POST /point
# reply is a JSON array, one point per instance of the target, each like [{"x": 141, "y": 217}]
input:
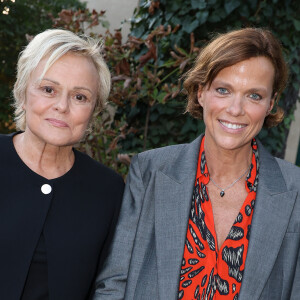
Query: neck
[
  {"x": 226, "y": 165},
  {"x": 44, "y": 159}
]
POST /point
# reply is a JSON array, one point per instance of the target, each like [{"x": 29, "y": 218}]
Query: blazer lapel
[
  {"x": 272, "y": 212},
  {"x": 173, "y": 194}
]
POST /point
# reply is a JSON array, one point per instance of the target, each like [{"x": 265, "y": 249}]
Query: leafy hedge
[
  {"x": 146, "y": 107},
  {"x": 199, "y": 20}
]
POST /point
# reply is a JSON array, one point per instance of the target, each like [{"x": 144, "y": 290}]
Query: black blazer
[{"x": 77, "y": 218}]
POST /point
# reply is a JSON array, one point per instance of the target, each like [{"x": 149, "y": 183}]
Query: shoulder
[
  {"x": 5, "y": 138},
  {"x": 277, "y": 171},
  {"x": 174, "y": 161},
  {"x": 159, "y": 156},
  {"x": 290, "y": 173},
  {"x": 94, "y": 169},
  {"x": 159, "y": 159},
  {"x": 6, "y": 147}
]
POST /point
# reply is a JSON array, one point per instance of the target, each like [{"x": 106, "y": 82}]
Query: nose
[
  {"x": 236, "y": 106},
  {"x": 62, "y": 103}
]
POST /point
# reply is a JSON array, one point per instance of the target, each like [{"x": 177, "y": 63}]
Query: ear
[
  {"x": 271, "y": 104},
  {"x": 24, "y": 105},
  {"x": 200, "y": 95}
]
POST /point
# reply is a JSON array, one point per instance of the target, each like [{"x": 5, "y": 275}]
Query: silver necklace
[{"x": 222, "y": 193}]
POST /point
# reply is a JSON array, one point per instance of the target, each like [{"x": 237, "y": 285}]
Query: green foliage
[
  {"x": 146, "y": 108},
  {"x": 202, "y": 19},
  {"x": 24, "y": 18}
]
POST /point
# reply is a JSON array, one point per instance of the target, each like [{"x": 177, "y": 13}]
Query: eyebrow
[
  {"x": 255, "y": 90},
  {"x": 82, "y": 88},
  {"x": 47, "y": 79},
  {"x": 252, "y": 90},
  {"x": 76, "y": 87}
]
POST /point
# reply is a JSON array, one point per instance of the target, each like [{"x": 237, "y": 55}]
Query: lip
[
  {"x": 57, "y": 123},
  {"x": 232, "y": 126}
]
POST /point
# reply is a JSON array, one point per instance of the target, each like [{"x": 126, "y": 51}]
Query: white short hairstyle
[{"x": 55, "y": 43}]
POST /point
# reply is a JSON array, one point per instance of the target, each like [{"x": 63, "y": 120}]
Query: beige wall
[
  {"x": 116, "y": 12},
  {"x": 293, "y": 138}
]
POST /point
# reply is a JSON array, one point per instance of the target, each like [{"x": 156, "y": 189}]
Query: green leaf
[
  {"x": 105, "y": 24},
  {"x": 155, "y": 93},
  {"x": 295, "y": 68},
  {"x": 135, "y": 20},
  {"x": 263, "y": 4},
  {"x": 211, "y": 2},
  {"x": 138, "y": 31},
  {"x": 186, "y": 127},
  {"x": 175, "y": 20},
  {"x": 154, "y": 116},
  {"x": 168, "y": 15},
  {"x": 214, "y": 18},
  {"x": 198, "y": 4},
  {"x": 287, "y": 122},
  {"x": 244, "y": 11},
  {"x": 182, "y": 50},
  {"x": 174, "y": 6},
  {"x": 155, "y": 139},
  {"x": 263, "y": 134},
  {"x": 151, "y": 22},
  {"x": 268, "y": 11},
  {"x": 202, "y": 16},
  {"x": 145, "y": 4},
  {"x": 296, "y": 24},
  {"x": 190, "y": 26},
  {"x": 296, "y": 85},
  {"x": 230, "y": 6},
  {"x": 161, "y": 96}
]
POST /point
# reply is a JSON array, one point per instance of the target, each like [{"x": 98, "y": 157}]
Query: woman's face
[
  {"x": 59, "y": 107},
  {"x": 237, "y": 102}
]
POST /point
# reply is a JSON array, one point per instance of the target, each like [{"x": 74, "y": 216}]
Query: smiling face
[
  {"x": 58, "y": 107},
  {"x": 237, "y": 102}
]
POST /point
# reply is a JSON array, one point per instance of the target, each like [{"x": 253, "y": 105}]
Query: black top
[
  {"x": 36, "y": 286},
  {"x": 77, "y": 216}
]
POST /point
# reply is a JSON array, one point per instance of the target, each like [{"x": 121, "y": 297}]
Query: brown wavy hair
[{"x": 228, "y": 49}]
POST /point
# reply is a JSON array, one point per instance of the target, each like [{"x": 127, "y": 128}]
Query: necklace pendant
[{"x": 222, "y": 193}]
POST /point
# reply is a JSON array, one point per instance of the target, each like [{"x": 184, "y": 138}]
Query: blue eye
[
  {"x": 255, "y": 96},
  {"x": 222, "y": 91}
]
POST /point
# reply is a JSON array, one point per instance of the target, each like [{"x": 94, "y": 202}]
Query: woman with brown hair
[{"x": 218, "y": 218}]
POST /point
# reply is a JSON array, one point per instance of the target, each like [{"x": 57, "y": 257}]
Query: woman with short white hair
[{"x": 58, "y": 207}]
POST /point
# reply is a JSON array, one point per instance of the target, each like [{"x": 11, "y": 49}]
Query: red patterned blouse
[{"x": 206, "y": 272}]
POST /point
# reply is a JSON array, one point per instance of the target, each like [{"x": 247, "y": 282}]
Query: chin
[
  {"x": 230, "y": 143},
  {"x": 61, "y": 141}
]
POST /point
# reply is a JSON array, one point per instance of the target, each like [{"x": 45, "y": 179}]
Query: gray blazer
[{"x": 148, "y": 245}]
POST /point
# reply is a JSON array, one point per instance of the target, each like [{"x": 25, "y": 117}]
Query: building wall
[
  {"x": 293, "y": 140},
  {"x": 117, "y": 11}
]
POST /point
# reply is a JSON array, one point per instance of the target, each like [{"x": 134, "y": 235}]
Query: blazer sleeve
[{"x": 111, "y": 281}]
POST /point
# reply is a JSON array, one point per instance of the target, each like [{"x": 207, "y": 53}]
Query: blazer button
[{"x": 46, "y": 189}]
